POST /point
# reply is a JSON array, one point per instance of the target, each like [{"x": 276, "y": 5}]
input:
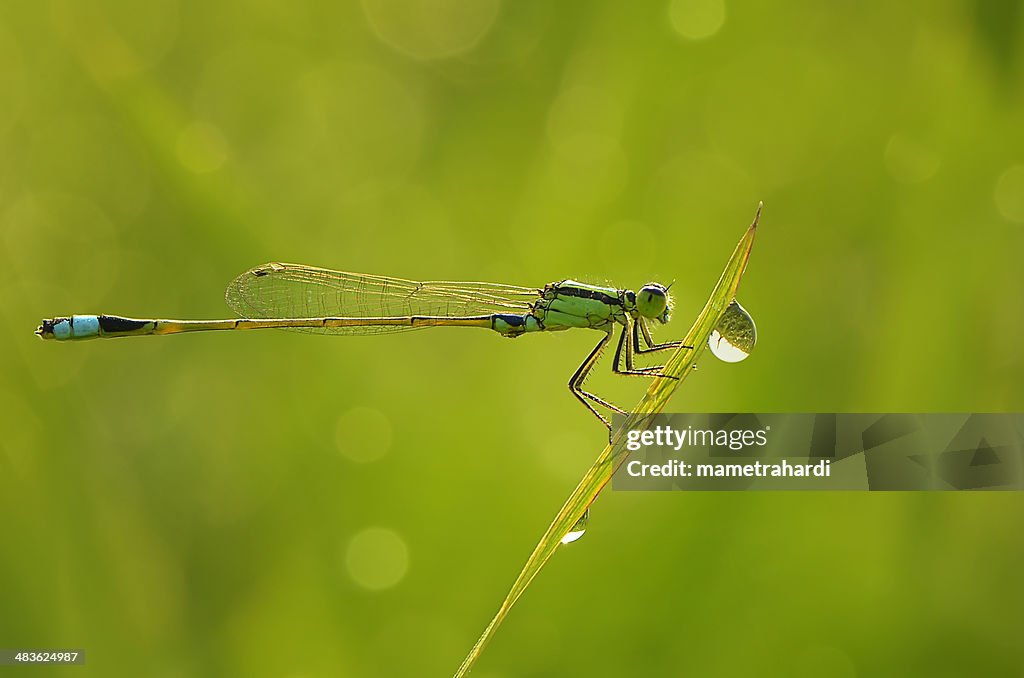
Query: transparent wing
[{"x": 278, "y": 290}]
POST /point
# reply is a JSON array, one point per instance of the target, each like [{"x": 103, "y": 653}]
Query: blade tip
[{"x": 757, "y": 215}]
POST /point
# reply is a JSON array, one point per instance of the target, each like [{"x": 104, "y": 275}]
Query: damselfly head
[{"x": 653, "y": 302}]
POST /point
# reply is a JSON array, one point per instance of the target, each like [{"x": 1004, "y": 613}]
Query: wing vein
[{"x": 278, "y": 290}]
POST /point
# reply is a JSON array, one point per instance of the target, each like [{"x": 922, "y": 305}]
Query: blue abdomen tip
[
  {"x": 61, "y": 328},
  {"x": 83, "y": 326}
]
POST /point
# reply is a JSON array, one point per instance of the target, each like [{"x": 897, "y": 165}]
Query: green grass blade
[{"x": 654, "y": 400}]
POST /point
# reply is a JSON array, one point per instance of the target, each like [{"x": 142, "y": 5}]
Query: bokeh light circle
[
  {"x": 696, "y": 19},
  {"x": 1009, "y": 194},
  {"x": 377, "y": 558},
  {"x": 201, "y": 147},
  {"x": 431, "y": 29},
  {"x": 910, "y": 161},
  {"x": 363, "y": 434}
]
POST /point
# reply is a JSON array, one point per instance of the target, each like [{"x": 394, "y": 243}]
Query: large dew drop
[
  {"x": 735, "y": 335},
  {"x": 578, "y": 529}
]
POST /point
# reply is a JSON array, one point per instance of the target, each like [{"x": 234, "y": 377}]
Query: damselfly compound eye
[
  {"x": 652, "y": 301},
  {"x": 734, "y": 337}
]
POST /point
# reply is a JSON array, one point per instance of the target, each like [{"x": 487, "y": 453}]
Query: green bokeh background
[{"x": 199, "y": 505}]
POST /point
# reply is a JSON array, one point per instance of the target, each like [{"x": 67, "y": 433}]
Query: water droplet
[
  {"x": 735, "y": 335},
  {"x": 578, "y": 529}
]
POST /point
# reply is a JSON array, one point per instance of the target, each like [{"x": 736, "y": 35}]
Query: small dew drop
[
  {"x": 578, "y": 529},
  {"x": 734, "y": 337}
]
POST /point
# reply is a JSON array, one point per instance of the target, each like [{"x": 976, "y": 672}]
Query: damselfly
[{"x": 309, "y": 299}]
